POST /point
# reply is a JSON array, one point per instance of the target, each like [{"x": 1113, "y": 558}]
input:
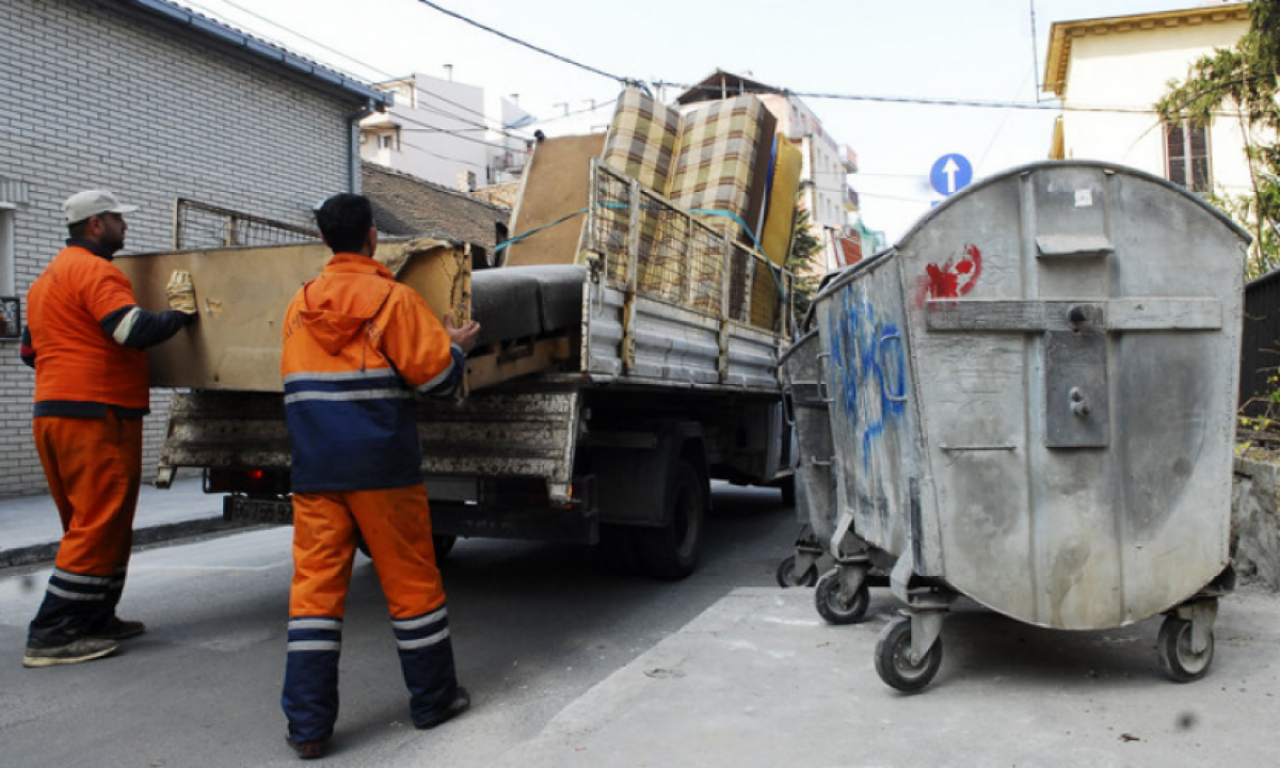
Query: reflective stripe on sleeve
[{"x": 122, "y": 331}]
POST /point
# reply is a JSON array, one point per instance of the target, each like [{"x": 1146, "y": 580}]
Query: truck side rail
[{"x": 653, "y": 248}]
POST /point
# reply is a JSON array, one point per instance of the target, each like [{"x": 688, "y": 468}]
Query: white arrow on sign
[{"x": 950, "y": 169}]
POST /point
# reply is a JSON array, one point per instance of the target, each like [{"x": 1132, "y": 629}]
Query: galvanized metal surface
[
  {"x": 676, "y": 347},
  {"x": 1034, "y": 393},
  {"x": 808, "y": 402}
]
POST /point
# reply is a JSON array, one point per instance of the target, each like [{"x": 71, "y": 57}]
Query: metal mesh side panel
[{"x": 199, "y": 225}]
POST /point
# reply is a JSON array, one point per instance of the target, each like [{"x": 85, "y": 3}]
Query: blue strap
[
  {"x": 523, "y": 235},
  {"x": 730, "y": 215}
]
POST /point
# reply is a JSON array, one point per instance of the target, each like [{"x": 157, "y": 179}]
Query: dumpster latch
[{"x": 1076, "y": 398}]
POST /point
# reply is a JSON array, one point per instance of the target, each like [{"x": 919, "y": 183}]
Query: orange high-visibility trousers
[
  {"x": 94, "y": 468},
  {"x": 396, "y": 526}
]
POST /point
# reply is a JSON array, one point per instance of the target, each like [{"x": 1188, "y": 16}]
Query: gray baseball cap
[{"x": 93, "y": 202}]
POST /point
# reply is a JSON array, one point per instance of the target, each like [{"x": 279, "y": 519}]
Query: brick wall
[{"x": 96, "y": 98}]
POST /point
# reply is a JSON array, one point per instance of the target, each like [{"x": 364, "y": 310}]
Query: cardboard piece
[
  {"x": 243, "y": 292},
  {"x": 556, "y": 184}
]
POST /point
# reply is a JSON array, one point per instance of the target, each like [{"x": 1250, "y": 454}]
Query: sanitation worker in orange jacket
[
  {"x": 357, "y": 346},
  {"x": 85, "y": 335}
]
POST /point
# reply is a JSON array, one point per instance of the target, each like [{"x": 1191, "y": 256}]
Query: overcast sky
[{"x": 913, "y": 49}]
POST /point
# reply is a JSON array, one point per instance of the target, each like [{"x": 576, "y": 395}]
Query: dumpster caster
[
  {"x": 894, "y": 657},
  {"x": 1185, "y": 644},
  {"x": 840, "y": 603},
  {"x": 789, "y": 576}
]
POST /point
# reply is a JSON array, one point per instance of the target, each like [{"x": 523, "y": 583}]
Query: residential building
[
  {"x": 448, "y": 133},
  {"x": 825, "y": 192},
  {"x": 160, "y": 105},
  {"x": 1110, "y": 72},
  {"x": 405, "y": 205}
]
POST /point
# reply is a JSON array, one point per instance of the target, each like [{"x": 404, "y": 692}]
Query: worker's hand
[
  {"x": 182, "y": 293},
  {"x": 465, "y": 335}
]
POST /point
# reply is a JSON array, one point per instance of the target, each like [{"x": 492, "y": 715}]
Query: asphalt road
[{"x": 534, "y": 627}]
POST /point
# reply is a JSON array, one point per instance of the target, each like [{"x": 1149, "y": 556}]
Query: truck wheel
[{"x": 671, "y": 552}]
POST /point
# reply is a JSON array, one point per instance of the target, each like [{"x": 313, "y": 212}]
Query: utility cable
[{"x": 525, "y": 44}]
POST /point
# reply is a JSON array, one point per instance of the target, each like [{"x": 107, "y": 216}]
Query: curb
[{"x": 36, "y": 554}]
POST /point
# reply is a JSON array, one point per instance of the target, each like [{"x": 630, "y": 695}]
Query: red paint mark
[{"x": 951, "y": 280}]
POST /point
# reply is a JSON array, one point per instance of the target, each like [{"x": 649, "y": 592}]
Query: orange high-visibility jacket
[
  {"x": 357, "y": 345},
  {"x": 78, "y": 361}
]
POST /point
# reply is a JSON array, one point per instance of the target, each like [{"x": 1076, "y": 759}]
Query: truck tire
[{"x": 671, "y": 552}]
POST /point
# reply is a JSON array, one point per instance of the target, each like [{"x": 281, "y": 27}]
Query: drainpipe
[{"x": 353, "y": 142}]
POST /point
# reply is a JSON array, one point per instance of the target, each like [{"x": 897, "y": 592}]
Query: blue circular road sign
[{"x": 950, "y": 174}]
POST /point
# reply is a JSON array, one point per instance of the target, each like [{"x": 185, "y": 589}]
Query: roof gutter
[
  {"x": 259, "y": 49},
  {"x": 353, "y": 141}
]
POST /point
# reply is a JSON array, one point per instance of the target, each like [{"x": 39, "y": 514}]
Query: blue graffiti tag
[{"x": 861, "y": 347}]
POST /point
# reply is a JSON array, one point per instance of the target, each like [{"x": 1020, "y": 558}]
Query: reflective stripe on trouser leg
[
  {"x": 426, "y": 658},
  {"x": 310, "y": 697},
  {"x": 73, "y": 603},
  {"x": 323, "y": 548},
  {"x": 396, "y": 523},
  {"x": 93, "y": 467}
]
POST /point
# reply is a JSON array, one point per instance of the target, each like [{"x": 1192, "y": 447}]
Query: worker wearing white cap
[{"x": 85, "y": 337}]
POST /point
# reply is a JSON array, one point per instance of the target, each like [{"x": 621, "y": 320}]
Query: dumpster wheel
[
  {"x": 1178, "y": 658},
  {"x": 787, "y": 576},
  {"x": 893, "y": 658},
  {"x": 835, "y": 606}
]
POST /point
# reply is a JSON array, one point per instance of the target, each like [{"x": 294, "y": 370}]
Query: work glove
[{"x": 182, "y": 293}]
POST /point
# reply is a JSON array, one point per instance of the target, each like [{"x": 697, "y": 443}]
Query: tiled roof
[{"x": 407, "y": 205}]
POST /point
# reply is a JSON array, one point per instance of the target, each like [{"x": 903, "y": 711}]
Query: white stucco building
[
  {"x": 448, "y": 133},
  {"x": 1110, "y": 71}
]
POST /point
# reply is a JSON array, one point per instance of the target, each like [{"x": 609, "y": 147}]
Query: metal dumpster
[{"x": 1031, "y": 402}]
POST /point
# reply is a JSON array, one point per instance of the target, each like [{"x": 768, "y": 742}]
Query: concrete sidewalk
[
  {"x": 30, "y": 530},
  {"x": 760, "y": 680}
]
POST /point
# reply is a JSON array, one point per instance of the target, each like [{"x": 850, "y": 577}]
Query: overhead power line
[
  {"x": 381, "y": 73},
  {"x": 524, "y": 43}
]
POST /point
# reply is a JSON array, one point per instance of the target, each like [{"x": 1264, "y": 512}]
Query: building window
[
  {"x": 1187, "y": 156},
  {"x": 386, "y": 141},
  {"x": 8, "y": 267},
  {"x": 10, "y": 314}
]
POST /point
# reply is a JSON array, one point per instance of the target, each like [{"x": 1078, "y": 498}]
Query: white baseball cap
[{"x": 93, "y": 202}]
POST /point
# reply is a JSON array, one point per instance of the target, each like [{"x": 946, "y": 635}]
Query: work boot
[
  {"x": 307, "y": 750},
  {"x": 461, "y": 702},
  {"x": 73, "y": 652},
  {"x": 117, "y": 629}
]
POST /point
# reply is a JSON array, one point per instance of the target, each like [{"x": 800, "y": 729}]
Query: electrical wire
[
  {"x": 525, "y": 44},
  {"x": 386, "y": 76}
]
